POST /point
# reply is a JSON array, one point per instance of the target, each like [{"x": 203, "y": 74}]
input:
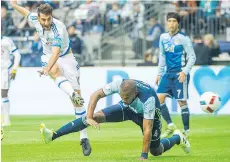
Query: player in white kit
[
  {"x": 57, "y": 59},
  {"x": 8, "y": 72}
]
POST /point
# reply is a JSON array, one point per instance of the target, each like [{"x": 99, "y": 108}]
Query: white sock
[
  {"x": 65, "y": 85},
  {"x": 80, "y": 112},
  {"x": 6, "y": 110}
]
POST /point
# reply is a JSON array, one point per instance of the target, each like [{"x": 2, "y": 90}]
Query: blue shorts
[
  {"x": 170, "y": 85},
  {"x": 117, "y": 113}
]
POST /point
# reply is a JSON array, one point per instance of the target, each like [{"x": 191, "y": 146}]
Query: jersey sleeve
[
  {"x": 188, "y": 48},
  {"x": 149, "y": 108},
  {"x": 59, "y": 33},
  {"x": 111, "y": 88},
  {"x": 32, "y": 18},
  {"x": 162, "y": 62}
]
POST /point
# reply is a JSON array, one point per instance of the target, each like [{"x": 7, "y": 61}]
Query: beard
[{"x": 46, "y": 27}]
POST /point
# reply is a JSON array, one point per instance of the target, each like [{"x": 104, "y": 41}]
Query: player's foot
[
  {"x": 186, "y": 133},
  {"x": 77, "y": 99},
  {"x": 185, "y": 145},
  {"x": 169, "y": 131},
  {"x": 46, "y": 133},
  {"x": 2, "y": 133},
  {"x": 86, "y": 148}
]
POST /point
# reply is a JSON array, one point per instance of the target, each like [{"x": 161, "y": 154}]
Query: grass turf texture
[{"x": 210, "y": 141}]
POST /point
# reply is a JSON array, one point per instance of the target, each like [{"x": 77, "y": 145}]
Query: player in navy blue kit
[
  {"x": 139, "y": 104},
  {"x": 176, "y": 60}
]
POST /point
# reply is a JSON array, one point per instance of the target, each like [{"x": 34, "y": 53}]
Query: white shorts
[
  {"x": 5, "y": 75},
  {"x": 69, "y": 68}
]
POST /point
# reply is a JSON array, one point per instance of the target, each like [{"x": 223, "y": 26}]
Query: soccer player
[
  {"x": 8, "y": 72},
  {"x": 57, "y": 59},
  {"x": 175, "y": 62},
  {"x": 139, "y": 104}
]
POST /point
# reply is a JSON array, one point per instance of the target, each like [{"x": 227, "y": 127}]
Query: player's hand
[
  {"x": 181, "y": 76},
  {"x": 93, "y": 123},
  {"x": 43, "y": 72},
  {"x": 158, "y": 80},
  {"x": 13, "y": 74},
  {"x": 142, "y": 158}
]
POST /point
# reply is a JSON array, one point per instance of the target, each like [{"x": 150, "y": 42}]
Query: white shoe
[
  {"x": 169, "y": 131},
  {"x": 186, "y": 133},
  {"x": 185, "y": 145},
  {"x": 46, "y": 133}
]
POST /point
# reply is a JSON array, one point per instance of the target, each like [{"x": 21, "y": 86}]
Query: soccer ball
[{"x": 210, "y": 102}]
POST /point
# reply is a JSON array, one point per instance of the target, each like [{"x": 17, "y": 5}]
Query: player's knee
[
  {"x": 157, "y": 151},
  {"x": 182, "y": 103},
  {"x": 55, "y": 72},
  {"x": 4, "y": 93},
  {"x": 99, "y": 117},
  {"x": 161, "y": 98}
]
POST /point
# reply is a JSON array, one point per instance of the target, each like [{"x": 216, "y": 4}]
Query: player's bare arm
[
  {"x": 147, "y": 126},
  {"x": 53, "y": 59},
  {"x": 20, "y": 9},
  {"x": 95, "y": 97}
]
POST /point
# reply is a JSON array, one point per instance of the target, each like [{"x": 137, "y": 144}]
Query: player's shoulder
[
  {"x": 58, "y": 24},
  {"x": 33, "y": 16},
  {"x": 182, "y": 35}
]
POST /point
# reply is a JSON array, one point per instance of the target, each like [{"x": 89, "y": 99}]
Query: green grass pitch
[{"x": 210, "y": 141}]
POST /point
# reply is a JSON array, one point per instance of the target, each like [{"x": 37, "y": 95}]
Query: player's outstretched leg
[
  {"x": 171, "y": 126},
  {"x": 86, "y": 148},
  {"x": 167, "y": 143},
  {"x": 71, "y": 127}
]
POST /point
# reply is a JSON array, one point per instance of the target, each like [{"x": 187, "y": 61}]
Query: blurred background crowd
[{"x": 124, "y": 32}]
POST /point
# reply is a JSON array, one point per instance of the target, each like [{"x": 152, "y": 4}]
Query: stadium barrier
[{"x": 34, "y": 95}]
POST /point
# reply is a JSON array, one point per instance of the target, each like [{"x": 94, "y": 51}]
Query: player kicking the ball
[{"x": 57, "y": 59}]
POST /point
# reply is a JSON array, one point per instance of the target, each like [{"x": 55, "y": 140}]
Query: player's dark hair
[
  {"x": 45, "y": 9},
  {"x": 173, "y": 15}
]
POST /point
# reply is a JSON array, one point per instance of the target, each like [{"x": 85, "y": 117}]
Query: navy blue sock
[
  {"x": 74, "y": 126},
  {"x": 168, "y": 143},
  {"x": 185, "y": 116},
  {"x": 165, "y": 113}
]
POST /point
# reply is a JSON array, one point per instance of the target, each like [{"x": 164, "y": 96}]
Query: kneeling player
[{"x": 139, "y": 103}]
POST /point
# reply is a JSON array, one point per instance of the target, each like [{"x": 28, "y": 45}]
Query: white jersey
[
  {"x": 56, "y": 36},
  {"x": 7, "y": 48}
]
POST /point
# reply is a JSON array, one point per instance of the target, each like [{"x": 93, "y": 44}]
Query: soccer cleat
[
  {"x": 2, "y": 133},
  {"x": 46, "y": 133},
  {"x": 185, "y": 145},
  {"x": 86, "y": 148},
  {"x": 186, "y": 133},
  {"x": 169, "y": 131},
  {"x": 77, "y": 99}
]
